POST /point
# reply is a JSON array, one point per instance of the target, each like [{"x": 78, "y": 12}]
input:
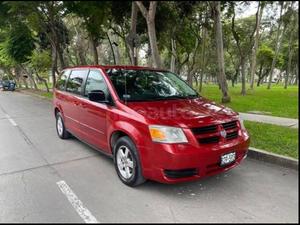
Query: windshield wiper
[
  {"x": 181, "y": 96},
  {"x": 193, "y": 96}
]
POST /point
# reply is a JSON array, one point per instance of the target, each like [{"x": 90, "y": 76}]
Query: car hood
[{"x": 185, "y": 113}]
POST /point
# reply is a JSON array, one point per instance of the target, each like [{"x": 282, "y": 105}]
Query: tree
[
  {"x": 291, "y": 17},
  {"x": 45, "y": 18},
  {"x": 253, "y": 60},
  {"x": 243, "y": 36},
  {"x": 220, "y": 52},
  {"x": 132, "y": 36},
  {"x": 39, "y": 62},
  {"x": 149, "y": 16},
  {"x": 95, "y": 17},
  {"x": 279, "y": 36},
  {"x": 18, "y": 46},
  {"x": 265, "y": 56}
]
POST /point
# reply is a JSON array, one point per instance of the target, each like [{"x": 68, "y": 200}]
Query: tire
[
  {"x": 60, "y": 127},
  {"x": 131, "y": 174}
]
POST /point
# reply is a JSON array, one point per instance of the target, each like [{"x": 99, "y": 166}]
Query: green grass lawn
[
  {"x": 42, "y": 86},
  {"x": 47, "y": 95},
  {"x": 277, "y": 101},
  {"x": 273, "y": 138}
]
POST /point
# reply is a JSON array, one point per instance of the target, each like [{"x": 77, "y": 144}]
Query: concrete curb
[{"x": 269, "y": 157}]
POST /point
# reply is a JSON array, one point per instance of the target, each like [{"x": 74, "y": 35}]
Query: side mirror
[{"x": 97, "y": 96}]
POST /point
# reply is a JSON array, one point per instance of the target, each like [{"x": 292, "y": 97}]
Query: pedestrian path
[{"x": 281, "y": 121}]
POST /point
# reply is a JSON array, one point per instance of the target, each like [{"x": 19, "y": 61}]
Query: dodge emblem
[{"x": 223, "y": 133}]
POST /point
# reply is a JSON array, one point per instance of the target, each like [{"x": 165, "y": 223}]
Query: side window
[
  {"x": 76, "y": 80},
  {"x": 61, "y": 82},
  {"x": 95, "y": 81}
]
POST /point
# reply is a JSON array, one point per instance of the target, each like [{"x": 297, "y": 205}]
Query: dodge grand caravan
[{"x": 149, "y": 121}]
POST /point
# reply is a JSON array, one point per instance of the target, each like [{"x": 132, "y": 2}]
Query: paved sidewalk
[{"x": 281, "y": 121}]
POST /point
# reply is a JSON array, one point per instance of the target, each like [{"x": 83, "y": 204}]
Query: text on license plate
[{"x": 228, "y": 158}]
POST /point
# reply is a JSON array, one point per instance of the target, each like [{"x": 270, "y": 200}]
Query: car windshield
[{"x": 148, "y": 85}]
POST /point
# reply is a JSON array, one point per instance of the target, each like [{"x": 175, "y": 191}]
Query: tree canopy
[{"x": 39, "y": 38}]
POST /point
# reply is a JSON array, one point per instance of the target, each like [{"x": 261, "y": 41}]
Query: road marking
[
  {"x": 83, "y": 212},
  {"x": 11, "y": 120}
]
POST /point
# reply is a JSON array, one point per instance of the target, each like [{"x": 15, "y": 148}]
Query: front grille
[
  {"x": 230, "y": 125},
  {"x": 209, "y": 140},
  {"x": 180, "y": 173},
  {"x": 231, "y": 135},
  {"x": 204, "y": 130},
  {"x": 210, "y": 134}
]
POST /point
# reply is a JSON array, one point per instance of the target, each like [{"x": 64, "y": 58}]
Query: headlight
[
  {"x": 165, "y": 134},
  {"x": 242, "y": 123}
]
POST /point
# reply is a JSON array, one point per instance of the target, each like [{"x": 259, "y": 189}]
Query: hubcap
[
  {"x": 125, "y": 162},
  {"x": 59, "y": 126}
]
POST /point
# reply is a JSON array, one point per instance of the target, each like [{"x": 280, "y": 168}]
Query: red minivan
[{"x": 149, "y": 121}]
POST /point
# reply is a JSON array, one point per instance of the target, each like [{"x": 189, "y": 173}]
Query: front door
[{"x": 93, "y": 114}]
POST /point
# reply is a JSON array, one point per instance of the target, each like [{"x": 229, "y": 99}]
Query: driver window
[{"x": 95, "y": 81}]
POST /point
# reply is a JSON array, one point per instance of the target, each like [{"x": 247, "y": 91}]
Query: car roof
[{"x": 106, "y": 67}]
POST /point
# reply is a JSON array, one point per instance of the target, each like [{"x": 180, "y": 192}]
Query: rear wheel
[
  {"x": 60, "y": 127},
  {"x": 127, "y": 163}
]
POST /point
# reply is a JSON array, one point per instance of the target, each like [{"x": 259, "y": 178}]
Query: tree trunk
[
  {"x": 289, "y": 62},
  {"x": 118, "y": 60},
  {"x": 19, "y": 70},
  {"x": 204, "y": 31},
  {"x": 260, "y": 76},
  {"x": 189, "y": 79},
  {"x": 61, "y": 57},
  {"x": 53, "y": 64},
  {"x": 220, "y": 52},
  {"x": 297, "y": 75},
  {"x": 81, "y": 57},
  {"x": 243, "y": 71},
  {"x": 79, "y": 46},
  {"x": 196, "y": 80},
  {"x": 279, "y": 36},
  {"x": 191, "y": 69},
  {"x": 235, "y": 77},
  {"x": 116, "y": 49},
  {"x": 253, "y": 61},
  {"x": 279, "y": 78},
  {"x": 173, "y": 58},
  {"x": 131, "y": 38},
  {"x": 153, "y": 43},
  {"x": 150, "y": 19},
  {"x": 33, "y": 81},
  {"x": 31, "y": 77},
  {"x": 111, "y": 48},
  {"x": 25, "y": 82},
  {"x": 94, "y": 49},
  {"x": 42, "y": 79},
  {"x": 291, "y": 39}
]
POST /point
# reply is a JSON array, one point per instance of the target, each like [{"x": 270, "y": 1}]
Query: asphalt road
[{"x": 33, "y": 159}]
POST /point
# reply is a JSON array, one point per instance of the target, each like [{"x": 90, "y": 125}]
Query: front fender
[{"x": 137, "y": 132}]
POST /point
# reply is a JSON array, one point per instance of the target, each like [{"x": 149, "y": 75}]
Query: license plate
[{"x": 227, "y": 158}]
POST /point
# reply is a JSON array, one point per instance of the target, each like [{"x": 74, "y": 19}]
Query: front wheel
[
  {"x": 127, "y": 163},
  {"x": 60, "y": 127}
]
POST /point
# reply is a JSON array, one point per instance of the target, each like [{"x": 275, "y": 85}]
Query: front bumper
[{"x": 173, "y": 163}]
